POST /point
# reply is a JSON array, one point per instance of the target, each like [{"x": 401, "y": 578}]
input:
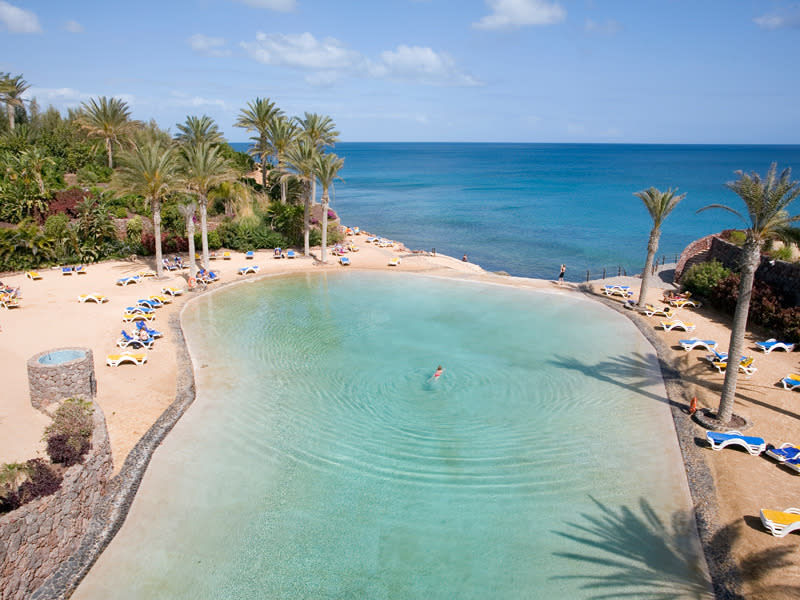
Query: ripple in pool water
[{"x": 321, "y": 460}]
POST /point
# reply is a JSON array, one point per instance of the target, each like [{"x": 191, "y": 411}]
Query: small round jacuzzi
[
  {"x": 61, "y": 373},
  {"x": 58, "y": 357}
]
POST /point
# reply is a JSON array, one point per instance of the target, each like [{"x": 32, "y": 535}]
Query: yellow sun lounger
[
  {"x": 95, "y": 297},
  {"x": 678, "y": 324},
  {"x": 171, "y": 291},
  {"x": 129, "y": 317},
  {"x": 746, "y": 366},
  {"x": 162, "y": 299},
  {"x": 34, "y": 275},
  {"x": 781, "y": 522},
  {"x": 226, "y": 256},
  {"x": 394, "y": 262},
  {"x": 114, "y": 360}
]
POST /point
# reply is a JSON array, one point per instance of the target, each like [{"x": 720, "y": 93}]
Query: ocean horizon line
[{"x": 569, "y": 144}]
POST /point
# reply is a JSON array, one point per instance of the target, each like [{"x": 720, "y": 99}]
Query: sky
[{"x": 572, "y": 71}]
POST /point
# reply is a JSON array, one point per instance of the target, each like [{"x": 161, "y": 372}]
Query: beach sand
[{"x": 134, "y": 397}]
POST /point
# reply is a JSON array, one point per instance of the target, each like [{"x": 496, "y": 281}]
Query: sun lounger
[
  {"x": 212, "y": 256},
  {"x": 249, "y": 254},
  {"x": 149, "y": 273},
  {"x": 290, "y": 254},
  {"x": 393, "y": 262},
  {"x": 617, "y": 290},
  {"x": 33, "y": 275},
  {"x": 114, "y": 360},
  {"x": 95, "y": 297},
  {"x": 277, "y": 253},
  {"x": 677, "y": 324},
  {"x": 67, "y": 270},
  {"x": 249, "y": 269},
  {"x": 145, "y": 310},
  {"x": 652, "y": 311},
  {"x": 129, "y": 341},
  {"x": 791, "y": 381},
  {"x": 126, "y": 280},
  {"x": 781, "y": 522},
  {"x": 171, "y": 291},
  {"x": 773, "y": 344},
  {"x": 151, "y": 332},
  {"x": 784, "y": 452},
  {"x": 81, "y": 270},
  {"x": 745, "y": 365},
  {"x": 149, "y": 303},
  {"x": 718, "y": 440},
  {"x": 697, "y": 343},
  {"x": 137, "y": 316},
  {"x": 162, "y": 299},
  {"x": 344, "y": 261},
  {"x": 226, "y": 256},
  {"x": 685, "y": 303},
  {"x": 9, "y": 301}
]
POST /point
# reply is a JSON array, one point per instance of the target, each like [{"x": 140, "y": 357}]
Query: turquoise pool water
[
  {"x": 320, "y": 459},
  {"x": 61, "y": 356}
]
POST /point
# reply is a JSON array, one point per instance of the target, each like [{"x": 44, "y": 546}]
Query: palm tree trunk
[
  {"x": 204, "y": 228},
  {"x": 110, "y": 153},
  {"x": 751, "y": 257},
  {"x": 190, "y": 234},
  {"x": 652, "y": 247},
  {"x": 157, "y": 234},
  {"x": 10, "y": 108},
  {"x": 281, "y": 169},
  {"x": 324, "y": 223},
  {"x": 306, "y": 211},
  {"x": 263, "y": 167}
]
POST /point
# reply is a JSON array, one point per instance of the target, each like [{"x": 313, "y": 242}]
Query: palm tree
[
  {"x": 301, "y": 157},
  {"x": 659, "y": 204},
  {"x": 234, "y": 194},
  {"x": 35, "y": 163},
  {"x": 257, "y": 117},
  {"x": 11, "y": 90},
  {"x": 149, "y": 170},
  {"x": 107, "y": 119},
  {"x": 282, "y": 135},
  {"x": 203, "y": 167},
  {"x": 198, "y": 130},
  {"x": 319, "y": 131},
  {"x": 766, "y": 202},
  {"x": 187, "y": 211},
  {"x": 327, "y": 168}
]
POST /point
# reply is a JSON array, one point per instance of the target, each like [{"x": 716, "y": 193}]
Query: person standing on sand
[
  {"x": 464, "y": 258},
  {"x": 561, "y": 274}
]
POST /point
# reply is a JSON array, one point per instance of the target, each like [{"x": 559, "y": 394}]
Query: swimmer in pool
[{"x": 438, "y": 373}]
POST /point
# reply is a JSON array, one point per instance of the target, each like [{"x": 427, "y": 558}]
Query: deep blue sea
[{"x": 527, "y": 208}]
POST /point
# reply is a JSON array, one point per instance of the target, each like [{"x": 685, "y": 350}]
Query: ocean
[{"x": 527, "y": 208}]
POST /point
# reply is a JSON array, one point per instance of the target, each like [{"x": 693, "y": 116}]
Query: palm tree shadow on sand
[{"x": 640, "y": 557}]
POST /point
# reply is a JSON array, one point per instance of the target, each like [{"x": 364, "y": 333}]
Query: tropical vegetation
[{"x": 95, "y": 183}]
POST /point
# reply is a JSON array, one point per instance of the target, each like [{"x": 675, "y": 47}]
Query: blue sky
[{"x": 649, "y": 71}]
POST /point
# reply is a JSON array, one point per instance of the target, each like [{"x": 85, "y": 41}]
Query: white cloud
[
  {"x": 18, "y": 20},
  {"x": 302, "y": 51},
  {"x": 62, "y": 97},
  {"x": 776, "y": 21},
  {"x": 73, "y": 26},
  {"x": 210, "y": 46},
  {"x": 276, "y": 5},
  {"x": 183, "y": 99},
  {"x": 508, "y": 14},
  {"x": 423, "y": 64},
  {"x": 329, "y": 59},
  {"x": 607, "y": 27}
]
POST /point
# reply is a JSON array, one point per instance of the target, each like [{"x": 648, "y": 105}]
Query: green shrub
[
  {"x": 214, "y": 241},
  {"x": 94, "y": 174},
  {"x": 701, "y": 278},
  {"x": 120, "y": 212},
  {"x": 172, "y": 220},
  {"x": 69, "y": 434},
  {"x": 782, "y": 253},
  {"x": 737, "y": 237},
  {"x": 133, "y": 229}
]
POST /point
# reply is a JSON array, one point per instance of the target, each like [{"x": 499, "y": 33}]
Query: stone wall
[
  {"x": 50, "y": 383},
  {"x": 694, "y": 253},
  {"x": 39, "y": 536}
]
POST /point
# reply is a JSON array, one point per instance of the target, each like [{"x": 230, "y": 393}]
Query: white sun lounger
[
  {"x": 698, "y": 343},
  {"x": 773, "y": 344},
  {"x": 678, "y": 324},
  {"x": 718, "y": 440},
  {"x": 95, "y": 297},
  {"x": 781, "y": 522},
  {"x": 114, "y": 360}
]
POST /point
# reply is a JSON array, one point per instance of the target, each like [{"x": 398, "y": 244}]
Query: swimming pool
[{"x": 321, "y": 460}]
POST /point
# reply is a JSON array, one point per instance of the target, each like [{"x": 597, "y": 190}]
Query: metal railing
[{"x": 621, "y": 271}]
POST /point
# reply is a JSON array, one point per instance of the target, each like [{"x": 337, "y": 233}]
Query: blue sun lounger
[
  {"x": 290, "y": 254},
  {"x": 693, "y": 343},
  {"x": 151, "y": 332},
  {"x": 718, "y": 440},
  {"x": 784, "y": 452},
  {"x": 791, "y": 381},
  {"x": 773, "y": 344},
  {"x": 249, "y": 254}
]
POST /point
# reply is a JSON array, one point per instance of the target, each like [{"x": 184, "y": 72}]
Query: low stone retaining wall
[
  {"x": 51, "y": 380},
  {"x": 38, "y": 537}
]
